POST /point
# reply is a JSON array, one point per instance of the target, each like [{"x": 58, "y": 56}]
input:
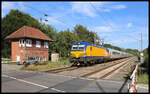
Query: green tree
[
  {"x": 146, "y": 58},
  {"x": 64, "y": 42},
  {"x": 133, "y": 51},
  {"x": 84, "y": 34},
  {"x": 12, "y": 22}
]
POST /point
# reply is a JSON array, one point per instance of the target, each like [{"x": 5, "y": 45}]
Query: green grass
[
  {"x": 5, "y": 60},
  {"x": 12, "y": 63},
  {"x": 143, "y": 78},
  {"x": 48, "y": 65}
]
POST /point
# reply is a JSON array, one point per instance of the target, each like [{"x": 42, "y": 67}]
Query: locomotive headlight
[
  {"x": 84, "y": 54},
  {"x": 70, "y": 55}
]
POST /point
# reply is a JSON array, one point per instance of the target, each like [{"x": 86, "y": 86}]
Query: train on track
[{"x": 84, "y": 53}]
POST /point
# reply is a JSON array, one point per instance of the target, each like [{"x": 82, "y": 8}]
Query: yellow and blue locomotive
[
  {"x": 84, "y": 53},
  {"x": 87, "y": 53}
]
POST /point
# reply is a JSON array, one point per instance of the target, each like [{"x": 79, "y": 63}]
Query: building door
[{"x": 18, "y": 58}]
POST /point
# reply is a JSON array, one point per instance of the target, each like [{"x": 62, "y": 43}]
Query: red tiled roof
[{"x": 29, "y": 32}]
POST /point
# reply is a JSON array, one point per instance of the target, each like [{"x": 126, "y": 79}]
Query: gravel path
[{"x": 123, "y": 72}]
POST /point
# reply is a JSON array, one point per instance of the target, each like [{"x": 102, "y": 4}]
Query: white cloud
[
  {"x": 91, "y": 9},
  {"x": 118, "y": 6},
  {"x": 107, "y": 10},
  {"x": 21, "y": 5},
  {"x": 54, "y": 21},
  {"x": 84, "y": 8},
  {"x": 13, "y": 5},
  {"x": 122, "y": 41},
  {"x": 7, "y": 5},
  {"x": 102, "y": 29},
  {"x": 129, "y": 25}
]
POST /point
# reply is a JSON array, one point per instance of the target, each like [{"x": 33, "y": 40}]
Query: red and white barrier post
[{"x": 132, "y": 88}]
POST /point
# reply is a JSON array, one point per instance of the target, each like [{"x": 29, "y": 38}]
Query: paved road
[
  {"x": 9, "y": 67},
  {"x": 33, "y": 81}
]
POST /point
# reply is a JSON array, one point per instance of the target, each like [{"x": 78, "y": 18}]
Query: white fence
[{"x": 5, "y": 60}]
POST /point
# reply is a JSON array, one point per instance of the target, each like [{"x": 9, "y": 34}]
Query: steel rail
[
  {"x": 99, "y": 70},
  {"x": 70, "y": 68},
  {"x": 109, "y": 73}
]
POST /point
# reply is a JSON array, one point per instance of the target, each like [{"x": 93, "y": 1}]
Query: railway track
[
  {"x": 62, "y": 69},
  {"x": 99, "y": 70},
  {"x": 108, "y": 70},
  {"x": 70, "y": 68}
]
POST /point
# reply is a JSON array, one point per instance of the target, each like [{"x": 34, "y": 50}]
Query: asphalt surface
[
  {"x": 9, "y": 67},
  {"x": 33, "y": 81}
]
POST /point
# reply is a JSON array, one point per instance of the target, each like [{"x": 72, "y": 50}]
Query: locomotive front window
[
  {"x": 81, "y": 47},
  {"x": 78, "y": 47},
  {"x": 75, "y": 48}
]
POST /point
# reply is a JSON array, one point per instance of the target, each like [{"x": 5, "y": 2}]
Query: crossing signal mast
[{"x": 45, "y": 18}]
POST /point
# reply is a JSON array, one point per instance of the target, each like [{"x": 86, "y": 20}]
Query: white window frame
[
  {"x": 21, "y": 43},
  {"x": 44, "y": 58},
  {"x": 28, "y": 42},
  {"x": 38, "y": 44},
  {"x": 45, "y": 44},
  {"x": 38, "y": 58}
]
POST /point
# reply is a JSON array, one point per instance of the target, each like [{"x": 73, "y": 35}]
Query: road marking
[
  {"x": 105, "y": 80},
  {"x": 4, "y": 75},
  {"x": 86, "y": 78},
  {"x": 57, "y": 90},
  {"x": 139, "y": 86},
  {"x": 67, "y": 76},
  {"x": 61, "y": 75},
  {"x": 72, "y": 76},
  {"x": 25, "y": 81}
]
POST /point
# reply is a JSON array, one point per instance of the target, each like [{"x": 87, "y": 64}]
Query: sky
[{"x": 117, "y": 23}]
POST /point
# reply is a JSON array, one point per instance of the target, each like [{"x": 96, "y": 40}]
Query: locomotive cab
[{"x": 77, "y": 50}]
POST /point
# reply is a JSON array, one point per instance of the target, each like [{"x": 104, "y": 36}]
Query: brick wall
[{"x": 32, "y": 51}]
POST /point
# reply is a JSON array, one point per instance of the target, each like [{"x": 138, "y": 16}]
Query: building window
[
  {"x": 38, "y": 44},
  {"x": 38, "y": 58},
  {"x": 43, "y": 58},
  {"x": 45, "y": 44},
  {"x": 21, "y": 43},
  {"x": 29, "y": 43}
]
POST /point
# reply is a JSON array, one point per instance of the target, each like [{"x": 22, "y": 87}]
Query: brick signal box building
[{"x": 28, "y": 42}]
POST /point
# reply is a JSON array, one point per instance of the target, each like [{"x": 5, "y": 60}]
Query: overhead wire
[
  {"x": 101, "y": 15},
  {"x": 35, "y": 9},
  {"x": 47, "y": 15},
  {"x": 60, "y": 16},
  {"x": 102, "y": 40},
  {"x": 56, "y": 18},
  {"x": 110, "y": 18},
  {"x": 30, "y": 8},
  {"x": 106, "y": 21}
]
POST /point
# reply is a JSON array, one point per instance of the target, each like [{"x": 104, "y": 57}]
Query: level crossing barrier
[{"x": 132, "y": 87}]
